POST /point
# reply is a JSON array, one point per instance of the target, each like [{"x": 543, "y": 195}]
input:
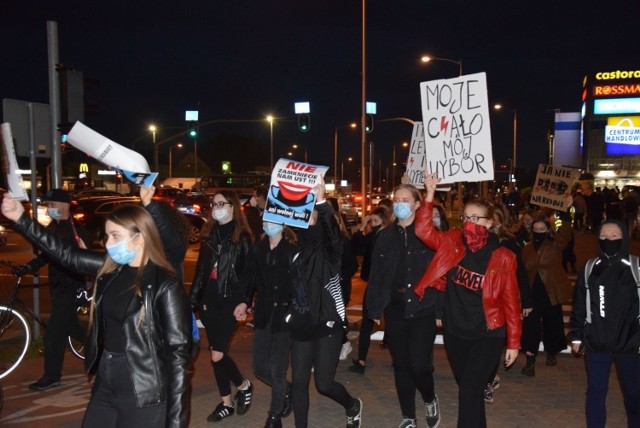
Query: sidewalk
[{"x": 553, "y": 398}]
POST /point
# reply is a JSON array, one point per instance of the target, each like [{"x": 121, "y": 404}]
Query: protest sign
[
  {"x": 553, "y": 187},
  {"x": 455, "y": 114},
  {"x": 291, "y": 197},
  {"x": 132, "y": 165},
  {"x": 10, "y": 165},
  {"x": 417, "y": 159}
]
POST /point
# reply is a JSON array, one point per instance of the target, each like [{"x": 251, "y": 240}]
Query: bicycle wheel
[
  {"x": 15, "y": 337},
  {"x": 76, "y": 344}
]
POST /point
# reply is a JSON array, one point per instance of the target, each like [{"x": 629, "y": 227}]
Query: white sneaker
[{"x": 346, "y": 350}]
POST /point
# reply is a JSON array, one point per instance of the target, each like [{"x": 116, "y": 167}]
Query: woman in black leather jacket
[
  {"x": 140, "y": 335},
  {"x": 218, "y": 291}
]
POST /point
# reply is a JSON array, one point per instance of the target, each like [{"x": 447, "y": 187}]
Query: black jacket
[
  {"x": 270, "y": 283},
  {"x": 395, "y": 245},
  {"x": 232, "y": 278},
  {"x": 158, "y": 349},
  {"x": 61, "y": 279},
  {"x": 614, "y": 307}
]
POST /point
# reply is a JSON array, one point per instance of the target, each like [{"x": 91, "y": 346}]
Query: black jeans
[
  {"x": 552, "y": 330},
  {"x": 113, "y": 401},
  {"x": 271, "y": 361},
  {"x": 63, "y": 322},
  {"x": 411, "y": 345},
  {"x": 321, "y": 355},
  {"x": 473, "y": 361},
  {"x": 366, "y": 327}
]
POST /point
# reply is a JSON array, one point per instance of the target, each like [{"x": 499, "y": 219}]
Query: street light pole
[
  {"x": 515, "y": 139},
  {"x": 270, "y": 120},
  {"x": 179, "y": 145},
  {"x": 153, "y": 129},
  {"x": 335, "y": 149},
  {"x": 363, "y": 118}
]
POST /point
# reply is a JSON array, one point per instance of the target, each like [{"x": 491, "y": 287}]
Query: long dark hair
[{"x": 241, "y": 225}]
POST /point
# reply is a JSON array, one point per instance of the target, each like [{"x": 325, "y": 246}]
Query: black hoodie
[{"x": 614, "y": 303}]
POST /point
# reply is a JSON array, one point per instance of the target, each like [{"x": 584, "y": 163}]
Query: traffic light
[
  {"x": 193, "y": 129},
  {"x": 226, "y": 167},
  {"x": 304, "y": 122},
  {"x": 368, "y": 123}
]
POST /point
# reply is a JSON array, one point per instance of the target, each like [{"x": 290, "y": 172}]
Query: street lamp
[
  {"x": 427, "y": 58},
  {"x": 393, "y": 164},
  {"x": 515, "y": 140},
  {"x": 342, "y": 167},
  {"x": 153, "y": 129},
  {"x": 270, "y": 119},
  {"x": 352, "y": 125},
  {"x": 296, "y": 146},
  {"x": 179, "y": 145}
]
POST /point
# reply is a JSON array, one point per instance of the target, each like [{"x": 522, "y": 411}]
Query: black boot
[
  {"x": 530, "y": 369},
  {"x": 273, "y": 421},
  {"x": 288, "y": 405}
]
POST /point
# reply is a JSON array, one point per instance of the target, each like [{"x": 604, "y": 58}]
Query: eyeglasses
[
  {"x": 220, "y": 204},
  {"x": 471, "y": 218}
]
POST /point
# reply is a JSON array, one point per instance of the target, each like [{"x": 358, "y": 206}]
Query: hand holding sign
[{"x": 431, "y": 182}]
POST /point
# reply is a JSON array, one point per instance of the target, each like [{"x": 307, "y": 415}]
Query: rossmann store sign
[{"x": 616, "y": 83}]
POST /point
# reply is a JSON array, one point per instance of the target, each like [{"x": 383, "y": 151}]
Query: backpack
[{"x": 634, "y": 262}]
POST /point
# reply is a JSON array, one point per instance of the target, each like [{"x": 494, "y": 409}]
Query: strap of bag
[{"x": 587, "y": 272}]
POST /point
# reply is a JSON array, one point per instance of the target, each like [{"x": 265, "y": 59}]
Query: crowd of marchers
[{"x": 495, "y": 289}]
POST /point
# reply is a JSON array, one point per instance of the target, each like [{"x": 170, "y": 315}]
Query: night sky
[{"x": 246, "y": 59}]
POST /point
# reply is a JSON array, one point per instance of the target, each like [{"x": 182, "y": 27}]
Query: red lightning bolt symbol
[
  {"x": 444, "y": 124},
  {"x": 411, "y": 161}
]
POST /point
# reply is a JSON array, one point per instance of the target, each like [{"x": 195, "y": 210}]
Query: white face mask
[{"x": 221, "y": 214}]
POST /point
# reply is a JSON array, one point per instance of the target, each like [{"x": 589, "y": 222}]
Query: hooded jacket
[{"x": 615, "y": 323}]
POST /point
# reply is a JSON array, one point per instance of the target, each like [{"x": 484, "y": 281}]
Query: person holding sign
[
  {"x": 399, "y": 259},
  {"x": 481, "y": 302},
  {"x": 550, "y": 288},
  {"x": 218, "y": 291},
  {"x": 317, "y": 315}
]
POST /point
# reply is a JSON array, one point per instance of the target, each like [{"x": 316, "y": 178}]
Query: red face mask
[{"x": 474, "y": 235}]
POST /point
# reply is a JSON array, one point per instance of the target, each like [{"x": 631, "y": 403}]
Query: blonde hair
[{"x": 137, "y": 221}]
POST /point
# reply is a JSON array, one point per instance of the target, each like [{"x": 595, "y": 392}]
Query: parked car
[
  {"x": 3, "y": 236},
  {"x": 93, "y": 193},
  {"x": 172, "y": 195},
  {"x": 196, "y": 203},
  {"x": 91, "y": 213}
]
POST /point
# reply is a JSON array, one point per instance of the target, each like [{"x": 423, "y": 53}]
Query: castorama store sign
[{"x": 616, "y": 94}]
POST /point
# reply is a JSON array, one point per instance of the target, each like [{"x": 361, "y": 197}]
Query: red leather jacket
[{"x": 500, "y": 294}]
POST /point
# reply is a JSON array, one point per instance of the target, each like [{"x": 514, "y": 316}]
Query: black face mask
[
  {"x": 610, "y": 247},
  {"x": 539, "y": 237}
]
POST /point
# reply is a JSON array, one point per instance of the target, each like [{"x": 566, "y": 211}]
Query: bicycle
[{"x": 15, "y": 332}]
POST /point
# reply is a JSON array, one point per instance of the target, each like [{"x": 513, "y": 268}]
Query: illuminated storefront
[{"x": 610, "y": 137}]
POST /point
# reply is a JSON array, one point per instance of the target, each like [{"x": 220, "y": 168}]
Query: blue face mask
[
  {"x": 402, "y": 210},
  {"x": 272, "y": 229},
  {"x": 437, "y": 222},
  {"x": 54, "y": 213},
  {"x": 121, "y": 253}
]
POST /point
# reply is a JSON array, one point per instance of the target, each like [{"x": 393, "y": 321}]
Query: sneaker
[
  {"x": 43, "y": 384},
  {"x": 354, "y": 415},
  {"x": 495, "y": 384},
  {"x": 243, "y": 397},
  {"x": 433, "y": 413},
  {"x": 408, "y": 423},
  {"x": 221, "y": 412},
  {"x": 488, "y": 394},
  {"x": 356, "y": 367},
  {"x": 552, "y": 360},
  {"x": 288, "y": 406},
  {"x": 346, "y": 350}
]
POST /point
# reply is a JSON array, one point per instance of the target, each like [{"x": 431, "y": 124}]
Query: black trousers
[
  {"x": 411, "y": 345},
  {"x": 552, "y": 329},
  {"x": 113, "y": 402},
  {"x": 366, "y": 327},
  {"x": 271, "y": 361},
  {"x": 63, "y": 322},
  {"x": 473, "y": 361},
  {"x": 321, "y": 355}
]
